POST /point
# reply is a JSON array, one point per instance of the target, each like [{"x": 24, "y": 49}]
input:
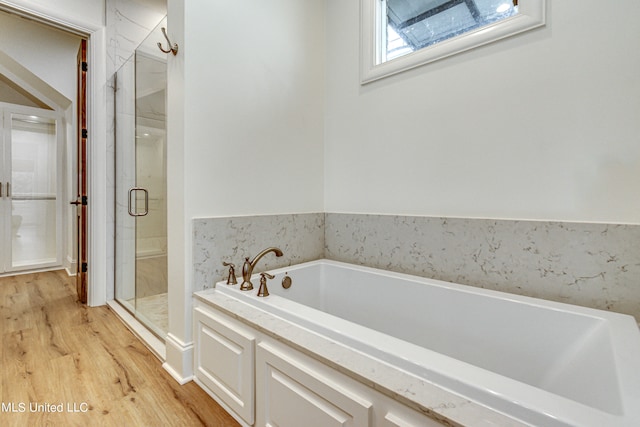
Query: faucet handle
[
  {"x": 263, "y": 291},
  {"x": 231, "y": 278}
]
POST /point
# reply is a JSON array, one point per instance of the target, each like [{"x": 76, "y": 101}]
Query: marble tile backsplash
[
  {"x": 593, "y": 265},
  {"x": 231, "y": 239}
]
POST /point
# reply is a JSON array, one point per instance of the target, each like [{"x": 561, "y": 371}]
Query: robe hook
[{"x": 173, "y": 49}]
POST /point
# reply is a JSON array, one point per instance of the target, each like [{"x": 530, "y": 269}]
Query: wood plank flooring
[{"x": 64, "y": 364}]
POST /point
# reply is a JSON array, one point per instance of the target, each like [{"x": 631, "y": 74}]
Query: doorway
[
  {"x": 31, "y": 149},
  {"x": 37, "y": 144}
]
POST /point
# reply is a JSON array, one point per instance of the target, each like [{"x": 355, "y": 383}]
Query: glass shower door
[
  {"x": 141, "y": 210},
  {"x": 29, "y": 191}
]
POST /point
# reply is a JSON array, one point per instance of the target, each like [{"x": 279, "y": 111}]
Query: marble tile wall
[
  {"x": 129, "y": 22},
  {"x": 593, "y": 265},
  {"x": 231, "y": 239}
]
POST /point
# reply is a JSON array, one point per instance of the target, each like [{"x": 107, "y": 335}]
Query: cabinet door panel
[
  {"x": 225, "y": 361},
  {"x": 293, "y": 392}
]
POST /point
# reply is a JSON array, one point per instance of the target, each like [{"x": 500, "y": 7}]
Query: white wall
[
  {"x": 244, "y": 128},
  {"x": 543, "y": 125},
  {"x": 254, "y": 84},
  {"x": 49, "y": 54}
]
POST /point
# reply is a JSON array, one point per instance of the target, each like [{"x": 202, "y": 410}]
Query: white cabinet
[
  {"x": 224, "y": 360},
  {"x": 293, "y": 391},
  {"x": 267, "y": 383}
]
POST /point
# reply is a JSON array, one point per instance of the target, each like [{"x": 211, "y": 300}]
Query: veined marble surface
[
  {"x": 231, "y": 239},
  {"x": 129, "y": 22},
  {"x": 593, "y": 265}
]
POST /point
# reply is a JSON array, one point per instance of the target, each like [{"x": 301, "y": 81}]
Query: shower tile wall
[
  {"x": 231, "y": 239},
  {"x": 594, "y": 265},
  {"x": 129, "y": 22}
]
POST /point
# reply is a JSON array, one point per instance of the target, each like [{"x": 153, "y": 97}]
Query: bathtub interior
[{"x": 548, "y": 347}]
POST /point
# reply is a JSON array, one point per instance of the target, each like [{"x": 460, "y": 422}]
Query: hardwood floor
[{"x": 64, "y": 364}]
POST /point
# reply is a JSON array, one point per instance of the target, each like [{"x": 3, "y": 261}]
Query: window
[{"x": 401, "y": 34}]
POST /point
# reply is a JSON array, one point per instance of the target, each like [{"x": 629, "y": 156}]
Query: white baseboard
[
  {"x": 71, "y": 266},
  {"x": 179, "y": 360}
]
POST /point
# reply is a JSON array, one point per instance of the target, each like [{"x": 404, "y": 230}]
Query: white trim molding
[
  {"x": 97, "y": 158},
  {"x": 531, "y": 14},
  {"x": 71, "y": 266},
  {"x": 179, "y": 359},
  {"x": 62, "y": 16}
]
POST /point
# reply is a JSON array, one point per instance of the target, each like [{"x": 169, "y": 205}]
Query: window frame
[{"x": 531, "y": 14}]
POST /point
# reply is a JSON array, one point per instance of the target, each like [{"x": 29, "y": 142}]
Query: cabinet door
[
  {"x": 224, "y": 358},
  {"x": 294, "y": 390}
]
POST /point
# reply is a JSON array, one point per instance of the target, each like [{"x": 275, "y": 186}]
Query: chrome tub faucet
[{"x": 248, "y": 266}]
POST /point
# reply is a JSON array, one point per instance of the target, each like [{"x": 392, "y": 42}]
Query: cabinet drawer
[
  {"x": 225, "y": 360},
  {"x": 293, "y": 391}
]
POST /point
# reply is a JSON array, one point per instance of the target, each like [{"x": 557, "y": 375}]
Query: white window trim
[{"x": 531, "y": 14}]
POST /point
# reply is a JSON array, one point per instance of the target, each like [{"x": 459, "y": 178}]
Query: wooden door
[{"x": 81, "y": 199}]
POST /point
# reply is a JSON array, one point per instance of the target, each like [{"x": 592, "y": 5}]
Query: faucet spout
[{"x": 247, "y": 268}]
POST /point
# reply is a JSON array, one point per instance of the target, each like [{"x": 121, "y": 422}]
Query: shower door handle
[{"x": 146, "y": 201}]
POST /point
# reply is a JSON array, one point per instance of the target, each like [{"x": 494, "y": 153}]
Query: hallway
[{"x": 65, "y": 364}]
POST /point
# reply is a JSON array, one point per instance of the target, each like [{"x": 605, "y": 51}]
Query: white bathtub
[{"x": 544, "y": 363}]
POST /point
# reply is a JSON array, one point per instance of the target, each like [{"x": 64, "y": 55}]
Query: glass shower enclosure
[
  {"x": 30, "y": 187},
  {"x": 141, "y": 185}
]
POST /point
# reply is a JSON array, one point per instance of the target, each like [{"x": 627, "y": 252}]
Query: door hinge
[
  {"x": 84, "y": 201},
  {"x": 85, "y": 66},
  {"x": 84, "y": 267},
  {"x": 85, "y": 133}
]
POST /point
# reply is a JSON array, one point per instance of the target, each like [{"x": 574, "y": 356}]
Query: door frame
[{"x": 100, "y": 258}]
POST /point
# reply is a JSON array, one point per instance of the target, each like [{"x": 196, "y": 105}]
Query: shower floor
[
  {"x": 153, "y": 311},
  {"x": 151, "y": 276},
  {"x": 150, "y": 305}
]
